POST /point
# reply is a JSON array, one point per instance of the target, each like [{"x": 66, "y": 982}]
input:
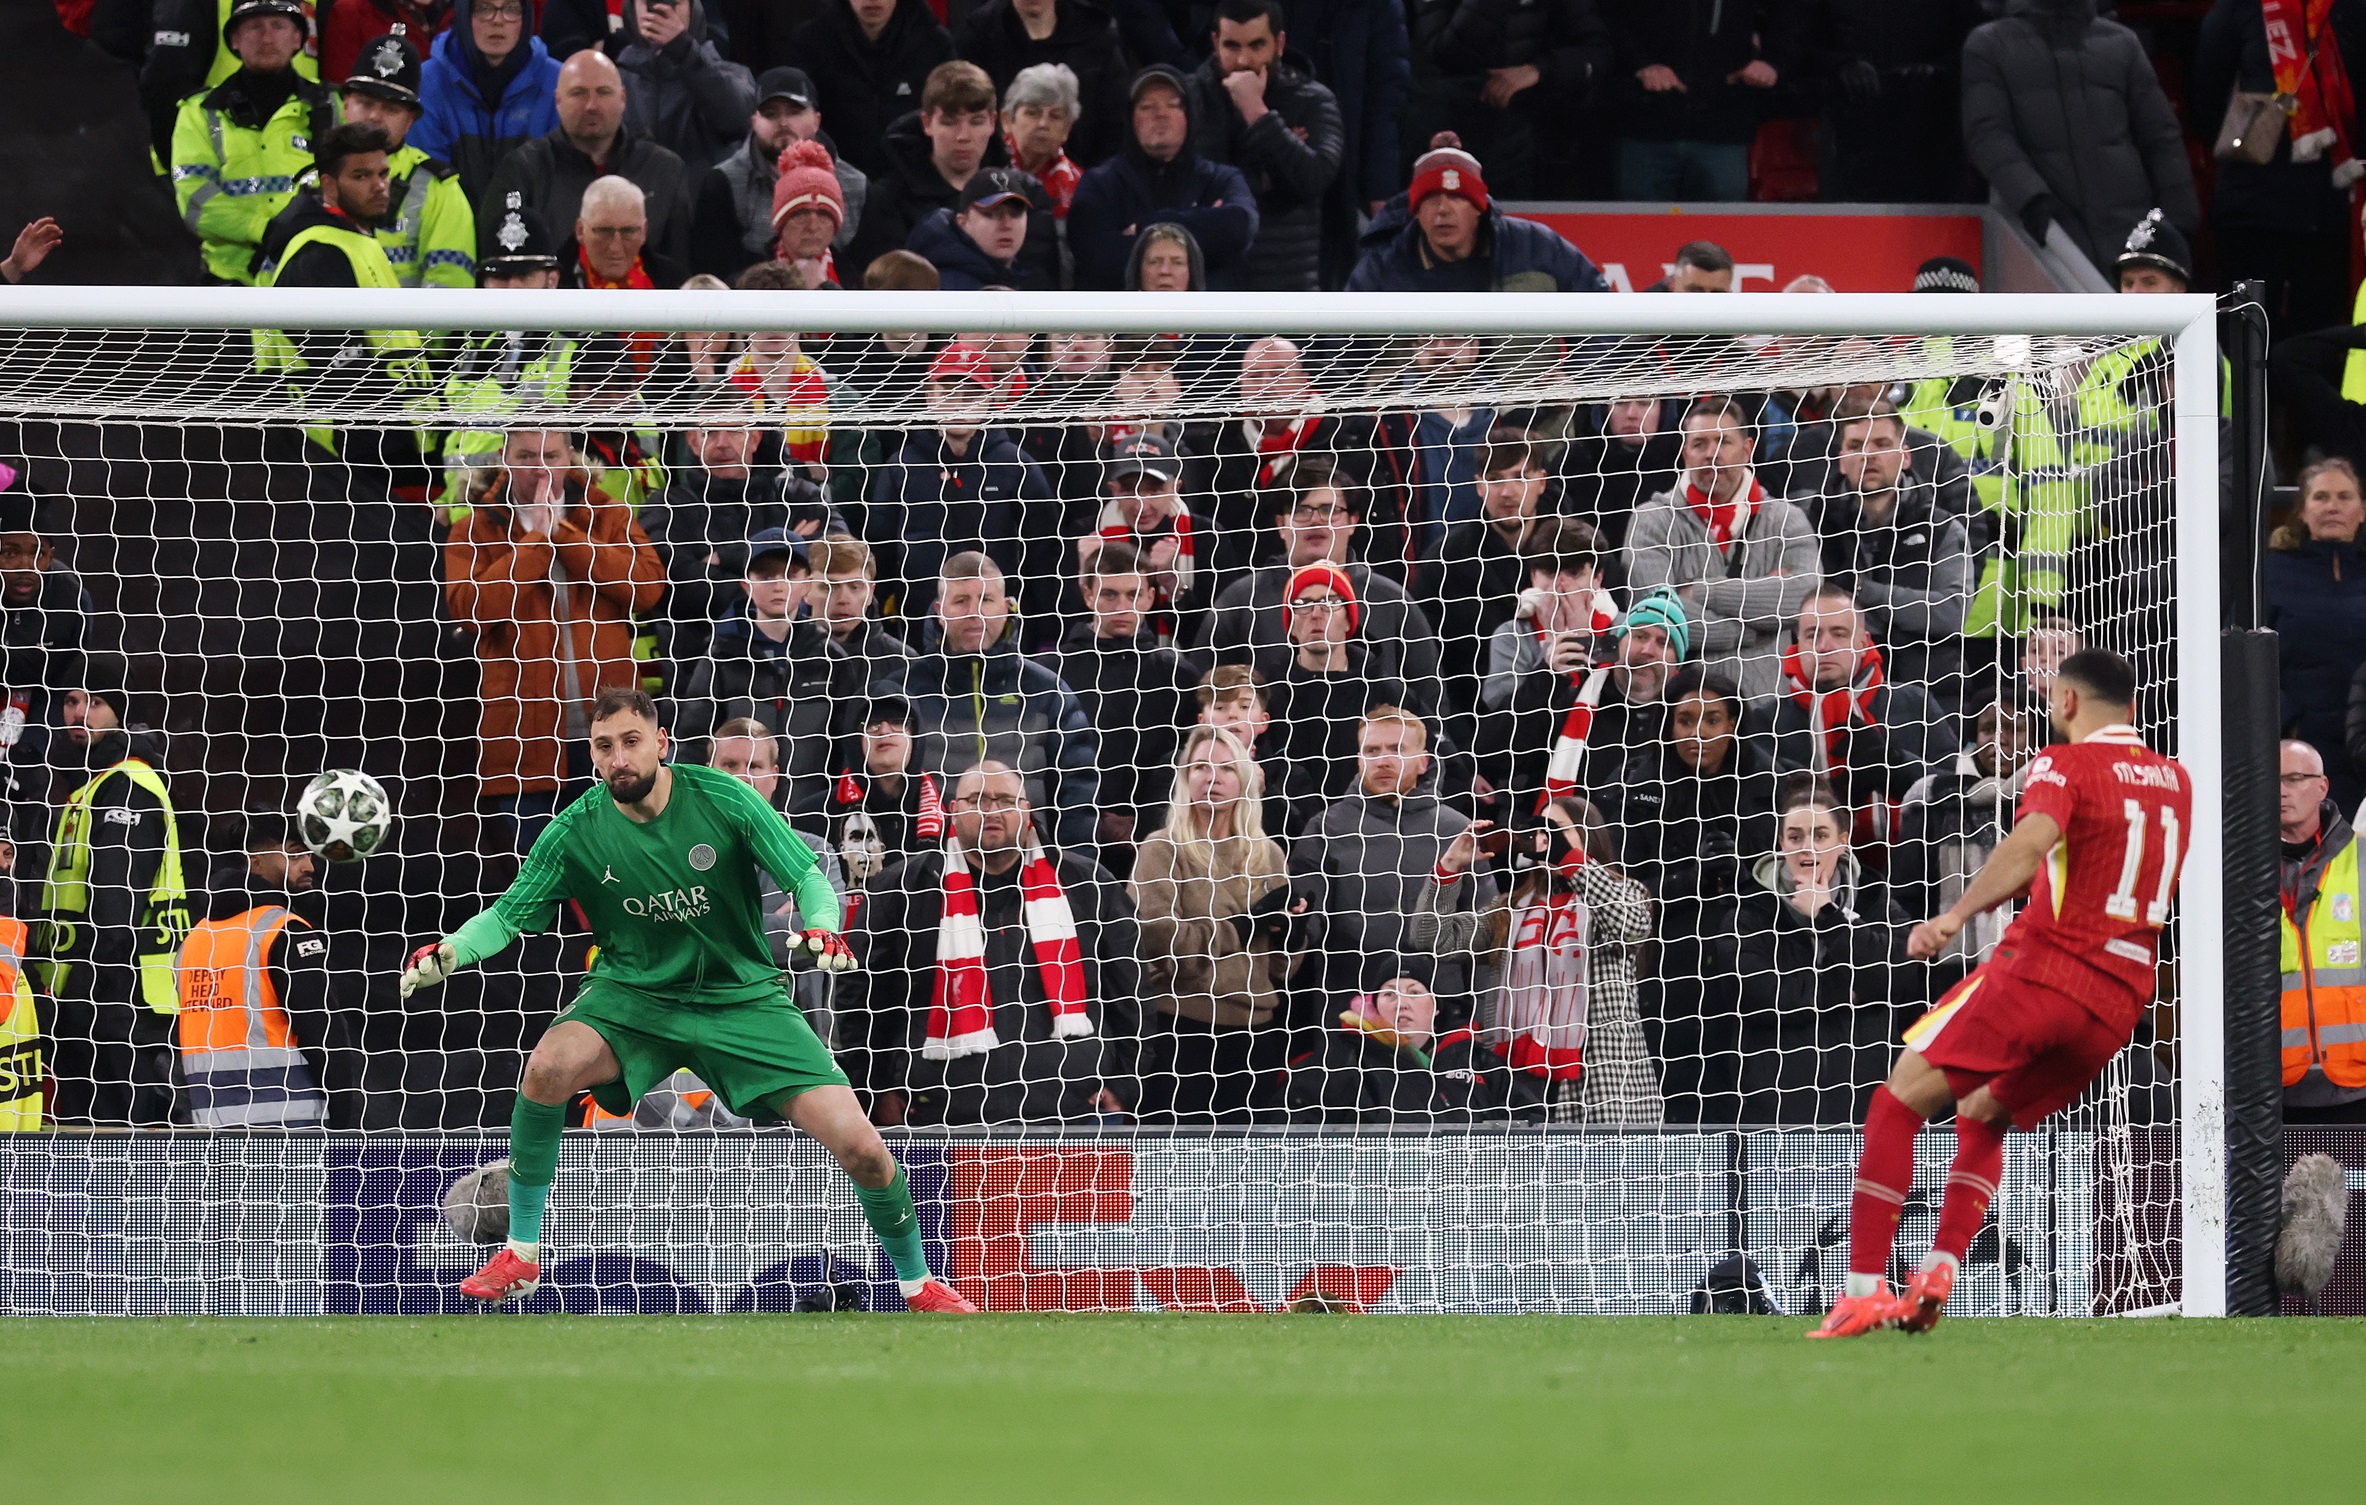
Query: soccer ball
[
  {"x": 343, "y": 815},
  {"x": 477, "y": 1205}
]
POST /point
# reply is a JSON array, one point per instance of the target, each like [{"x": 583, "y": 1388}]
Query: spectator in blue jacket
[
  {"x": 1446, "y": 236},
  {"x": 487, "y": 89},
  {"x": 960, "y": 486},
  {"x": 1160, "y": 177}
]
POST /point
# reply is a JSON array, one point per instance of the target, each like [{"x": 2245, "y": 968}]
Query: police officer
[
  {"x": 429, "y": 230},
  {"x": 238, "y": 147},
  {"x": 114, "y": 909},
  {"x": 496, "y": 371},
  {"x": 263, "y": 1032}
]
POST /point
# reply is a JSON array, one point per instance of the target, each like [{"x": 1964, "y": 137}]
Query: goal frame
[{"x": 2185, "y": 323}]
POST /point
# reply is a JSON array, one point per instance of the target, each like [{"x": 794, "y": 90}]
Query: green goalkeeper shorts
[{"x": 751, "y": 1054}]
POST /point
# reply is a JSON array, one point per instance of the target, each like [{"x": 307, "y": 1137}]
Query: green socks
[
  {"x": 889, "y": 1211},
  {"x": 533, "y": 1158}
]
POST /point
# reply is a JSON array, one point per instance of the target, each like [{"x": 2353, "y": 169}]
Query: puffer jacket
[
  {"x": 685, "y": 94},
  {"x": 540, "y": 610},
  {"x": 1194, "y": 963},
  {"x": 862, "y": 84},
  {"x": 2058, "y": 101},
  {"x": 1291, "y": 157},
  {"x": 1003, "y": 706},
  {"x": 1514, "y": 256},
  {"x": 1132, "y": 189},
  {"x": 461, "y": 124}
]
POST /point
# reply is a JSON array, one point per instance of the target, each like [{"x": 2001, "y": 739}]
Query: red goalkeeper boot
[
  {"x": 1855, "y": 1316},
  {"x": 936, "y": 1296},
  {"x": 504, "y": 1276},
  {"x": 1926, "y": 1296}
]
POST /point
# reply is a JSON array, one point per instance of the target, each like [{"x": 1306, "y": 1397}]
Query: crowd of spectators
[{"x": 1410, "y": 761}]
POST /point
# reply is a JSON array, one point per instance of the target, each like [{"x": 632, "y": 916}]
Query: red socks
[
  {"x": 1885, "y": 1173},
  {"x": 1971, "y": 1185}
]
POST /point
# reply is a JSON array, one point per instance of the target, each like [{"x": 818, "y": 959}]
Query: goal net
[{"x": 1138, "y": 669}]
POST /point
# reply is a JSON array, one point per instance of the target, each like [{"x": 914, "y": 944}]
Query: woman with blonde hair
[{"x": 1212, "y": 897}]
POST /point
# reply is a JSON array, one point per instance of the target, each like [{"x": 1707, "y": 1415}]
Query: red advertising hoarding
[{"x": 1856, "y": 249}]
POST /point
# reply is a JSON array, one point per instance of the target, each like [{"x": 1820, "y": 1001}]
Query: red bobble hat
[
  {"x": 808, "y": 180},
  {"x": 1322, "y": 574},
  {"x": 1447, "y": 168}
]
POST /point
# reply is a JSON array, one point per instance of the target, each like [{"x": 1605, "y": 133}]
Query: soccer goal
[{"x": 1150, "y": 658}]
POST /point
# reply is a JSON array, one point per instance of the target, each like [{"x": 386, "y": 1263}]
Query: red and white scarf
[
  {"x": 2309, "y": 71},
  {"x": 961, "y": 1011},
  {"x": 1726, "y": 520},
  {"x": 1059, "y": 176},
  {"x": 1278, "y": 443},
  {"x": 928, "y": 822},
  {"x": 1830, "y": 713},
  {"x": 1540, "y": 1025},
  {"x": 1112, "y": 525},
  {"x": 1568, "y": 759}
]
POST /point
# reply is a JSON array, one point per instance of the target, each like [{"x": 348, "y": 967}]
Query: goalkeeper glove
[
  {"x": 829, "y": 949},
  {"x": 430, "y": 965}
]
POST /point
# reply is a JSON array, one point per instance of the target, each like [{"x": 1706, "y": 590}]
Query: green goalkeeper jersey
[{"x": 675, "y": 903}]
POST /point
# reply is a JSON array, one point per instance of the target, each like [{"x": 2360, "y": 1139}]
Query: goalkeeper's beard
[{"x": 629, "y": 788}]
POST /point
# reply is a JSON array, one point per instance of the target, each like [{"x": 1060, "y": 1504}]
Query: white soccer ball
[
  {"x": 343, "y": 815},
  {"x": 477, "y": 1205}
]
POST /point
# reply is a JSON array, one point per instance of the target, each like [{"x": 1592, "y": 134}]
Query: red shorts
[{"x": 2033, "y": 1048}]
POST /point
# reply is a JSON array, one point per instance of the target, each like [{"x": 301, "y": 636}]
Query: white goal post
[{"x": 1707, "y": 343}]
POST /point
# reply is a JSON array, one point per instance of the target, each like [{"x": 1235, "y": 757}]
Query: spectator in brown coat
[{"x": 548, "y": 575}]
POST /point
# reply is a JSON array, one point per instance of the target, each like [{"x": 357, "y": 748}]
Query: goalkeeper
[{"x": 663, "y": 862}]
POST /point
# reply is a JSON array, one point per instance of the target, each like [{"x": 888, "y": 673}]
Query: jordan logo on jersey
[{"x": 609, "y": 876}]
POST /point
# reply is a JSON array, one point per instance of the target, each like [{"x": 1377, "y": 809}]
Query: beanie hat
[
  {"x": 1663, "y": 609},
  {"x": 808, "y": 180},
  {"x": 1447, "y": 168},
  {"x": 103, "y": 676},
  {"x": 1322, "y": 574},
  {"x": 1946, "y": 274}
]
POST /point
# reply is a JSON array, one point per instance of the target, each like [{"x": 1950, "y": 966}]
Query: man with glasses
[
  {"x": 486, "y": 89},
  {"x": 611, "y": 245},
  {"x": 2324, "y": 1011},
  {"x": 977, "y": 1013},
  {"x": 555, "y": 170},
  {"x": 1316, "y": 521}
]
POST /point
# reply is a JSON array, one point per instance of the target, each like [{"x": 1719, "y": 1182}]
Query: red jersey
[{"x": 2091, "y": 930}]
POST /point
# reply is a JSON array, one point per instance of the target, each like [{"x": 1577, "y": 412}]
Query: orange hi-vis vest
[
  {"x": 20, "y": 1035},
  {"x": 237, "y": 1052},
  {"x": 2324, "y": 1011}
]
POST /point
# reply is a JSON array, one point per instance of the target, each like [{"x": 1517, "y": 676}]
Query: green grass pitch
[{"x": 964, "y": 1411}]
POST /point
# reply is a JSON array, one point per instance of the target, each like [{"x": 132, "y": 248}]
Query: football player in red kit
[{"x": 2096, "y": 845}]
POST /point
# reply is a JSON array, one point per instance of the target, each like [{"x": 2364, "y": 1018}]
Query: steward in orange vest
[
  {"x": 260, "y": 1030},
  {"x": 2324, "y": 951}
]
